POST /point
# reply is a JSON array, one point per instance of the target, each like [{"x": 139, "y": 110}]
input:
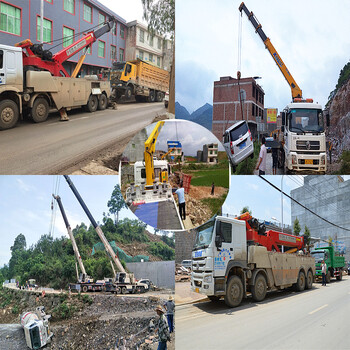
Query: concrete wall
[
  {"x": 161, "y": 273},
  {"x": 329, "y": 197},
  {"x": 184, "y": 242}
]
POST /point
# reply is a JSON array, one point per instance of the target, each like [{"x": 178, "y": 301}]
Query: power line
[{"x": 311, "y": 211}]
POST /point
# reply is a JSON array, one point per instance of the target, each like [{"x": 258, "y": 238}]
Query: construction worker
[
  {"x": 274, "y": 153},
  {"x": 170, "y": 308},
  {"x": 262, "y": 158},
  {"x": 182, "y": 204},
  {"x": 324, "y": 272},
  {"x": 162, "y": 329}
]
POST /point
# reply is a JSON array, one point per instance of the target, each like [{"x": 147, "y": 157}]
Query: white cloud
[{"x": 24, "y": 186}]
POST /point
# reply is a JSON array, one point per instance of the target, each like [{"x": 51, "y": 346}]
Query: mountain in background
[{"x": 202, "y": 116}]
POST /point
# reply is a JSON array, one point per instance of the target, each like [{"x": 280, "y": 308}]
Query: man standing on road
[
  {"x": 274, "y": 154},
  {"x": 162, "y": 329},
  {"x": 170, "y": 307},
  {"x": 324, "y": 272},
  {"x": 262, "y": 158},
  {"x": 181, "y": 197}
]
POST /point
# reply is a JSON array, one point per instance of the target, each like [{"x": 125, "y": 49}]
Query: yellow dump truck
[{"x": 140, "y": 79}]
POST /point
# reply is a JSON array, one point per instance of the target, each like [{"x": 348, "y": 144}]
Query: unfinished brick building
[{"x": 227, "y": 108}]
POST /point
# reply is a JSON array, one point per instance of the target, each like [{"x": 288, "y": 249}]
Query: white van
[{"x": 238, "y": 143}]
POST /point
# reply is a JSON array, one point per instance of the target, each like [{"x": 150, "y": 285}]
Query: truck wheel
[
  {"x": 92, "y": 104},
  {"x": 309, "y": 280},
  {"x": 234, "y": 291},
  {"x": 340, "y": 277},
  {"x": 119, "y": 290},
  {"x": 9, "y": 114},
  {"x": 123, "y": 290},
  {"x": 102, "y": 102},
  {"x": 85, "y": 289},
  {"x": 128, "y": 93},
  {"x": 159, "y": 96},
  {"x": 151, "y": 96},
  {"x": 40, "y": 110},
  {"x": 328, "y": 277},
  {"x": 259, "y": 288},
  {"x": 214, "y": 298},
  {"x": 300, "y": 285},
  {"x": 142, "y": 289}
]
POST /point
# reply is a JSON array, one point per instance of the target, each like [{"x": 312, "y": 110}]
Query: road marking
[{"x": 320, "y": 308}]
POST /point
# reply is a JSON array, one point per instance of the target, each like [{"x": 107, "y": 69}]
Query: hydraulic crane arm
[
  {"x": 94, "y": 224},
  {"x": 75, "y": 247},
  {"x": 295, "y": 89},
  {"x": 43, "y": 59},
  {"x": 150, "y": 147}
]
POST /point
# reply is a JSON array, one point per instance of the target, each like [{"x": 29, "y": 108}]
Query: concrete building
[
  {"x": 329, "y": 197},
  {"x": 227, "y": 107},
  {"x": 141, "y": 44},
  {"x": 210, "y": 153},
  {"x": 64, "y": 22},
  {"x": 175, "y": 149}
]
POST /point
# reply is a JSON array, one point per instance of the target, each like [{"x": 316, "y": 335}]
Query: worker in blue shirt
[{"x": 181, "y": 197}]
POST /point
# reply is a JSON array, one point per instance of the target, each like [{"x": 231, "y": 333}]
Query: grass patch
[
  {"x": 247, "y": 167},
  {"x": 214, "y": 203},
  {"x": 220, "y": 177},
  {"x": 64, "y": 311}
]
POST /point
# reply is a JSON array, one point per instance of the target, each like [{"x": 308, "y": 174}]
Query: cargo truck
[
  {"x": 232, "y": 257},
  {"x": 334, "y": 261},
  {"x": 140, "y": 79}
]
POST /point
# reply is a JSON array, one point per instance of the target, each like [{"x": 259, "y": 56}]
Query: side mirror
[
  {"x": 218, "y": 241},
  {"x": 283, "y": 114}
]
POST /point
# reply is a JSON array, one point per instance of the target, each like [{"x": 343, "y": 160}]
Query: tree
[
  {"x": 246, "y": 209},
  {"x": 116, "y": 203},
  {"x": 307, "y": 238},
  {"x": 160, "y": 16},
  {"x": 296, "y": 227},
  {"x": 20, "y": 243}
]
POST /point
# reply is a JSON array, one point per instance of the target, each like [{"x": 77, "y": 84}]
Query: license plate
[
  {"x": 242, "y": 145},
  {"x": 197, "y": 290},
  {"x": 309, "y": 161}
]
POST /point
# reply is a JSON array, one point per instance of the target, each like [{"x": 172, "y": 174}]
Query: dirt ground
[{"x": 199, "y": 192}]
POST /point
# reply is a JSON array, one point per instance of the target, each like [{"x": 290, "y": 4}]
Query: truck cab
[{"x": 304, "y": 137}]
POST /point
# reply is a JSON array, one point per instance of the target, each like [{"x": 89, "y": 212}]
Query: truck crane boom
[
  {"x": 69, "y": 230},
  {"x": 295, "y": 89},
  {"x": 95, "y": 225},
  {"x": 35, "y": 56}
]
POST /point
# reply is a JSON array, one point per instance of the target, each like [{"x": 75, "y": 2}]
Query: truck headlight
[
  {"x": 207, "y": 279},
  {"x": 323, "y": 160},
  {"x": 294, "y": 159}
]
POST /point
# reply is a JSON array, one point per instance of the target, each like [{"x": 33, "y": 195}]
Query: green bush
[
  {"x": 162, "y": 250},
  {"x": 345, "y": 163},
  {"x": 87, "y": 299},
  {"x": 15, "y": 310},
  {"x": 64, "y": 311}
]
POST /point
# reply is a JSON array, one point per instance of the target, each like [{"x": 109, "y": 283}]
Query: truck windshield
[
  {"x": 238, "y": 132},
  {"x": 319, "y": 256},
  {"x": 204, "y": 235},
  {"x": 119, "y": 66},
  {"x": 306, "y": 120}
]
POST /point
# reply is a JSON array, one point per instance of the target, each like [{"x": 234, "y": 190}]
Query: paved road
[
  {"x": 313, "y": 319},
  {"x": 49, "y": 147},
  {"x": 280, "y": 171}
]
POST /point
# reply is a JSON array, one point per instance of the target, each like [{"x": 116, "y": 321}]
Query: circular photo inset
[{"x": 174, "y": 175}]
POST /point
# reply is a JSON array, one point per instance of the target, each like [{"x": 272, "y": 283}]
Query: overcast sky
[
  {"x": 127, "y": 9},
  {"x": 312, "y": 37},
  {"x": 191, "y": 135}
]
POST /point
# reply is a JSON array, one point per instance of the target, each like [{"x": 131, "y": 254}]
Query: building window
[
  {"x": 68, "y": 36},
  {"x": 122, "y": 32},
  {"x": 121, "y": 55},
  {"x": 88, "y": 51},
  {"x": 158, "y": 61},
  {"x": 69, "y": 6},
  {"x": 150, "y": 58},
  {"x": 114, "y": 30},
  {"x": 101, "y": 19},
  {"x": 141, "y": 55},
  {"x": 151, "y": 40},
  {"x": 159, "y": 43},
  {"x": 10, "y": 19},
  {"x": 47, "y": 37},
  {"x": 87, "y": 13},
  {"x": 113, "y": 52},
  {"x": 101, "y": 48},
  {"x": 142, "y": 36}
]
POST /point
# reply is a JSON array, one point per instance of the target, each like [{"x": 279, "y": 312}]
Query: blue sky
[
  {"x": 312, "y": 37},
  {"x": 25, "y": 206}
]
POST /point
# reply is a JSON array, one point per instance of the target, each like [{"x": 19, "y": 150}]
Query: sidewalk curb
[{"x": 192, "y": 302}]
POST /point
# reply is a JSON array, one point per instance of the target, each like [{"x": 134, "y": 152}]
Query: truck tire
[
  {"x": 92, "y": 104},
  {"x": 102, "y": 102},
  {"x": 234, "y": 291},
  {"x": 9, "y": 114},
  {"x": 328, "y": 277},
  {"x": 214, "y": 298},
  {"x": 300, "y": 285},
  {"x": 159, "y": 96},
  {"x": 151, "y": 96},
  {"x": 118, "y": 291},
  {"x": 128, "y": 93},
  {"x": 309, "y": 280},
  {"x": 340, "y": 277},
  {"x": 123, "y": 290},
  {"x": 259, "y": 288},
  {"x": 40, "y": 110},
  {"x": 85, "y": 289}
]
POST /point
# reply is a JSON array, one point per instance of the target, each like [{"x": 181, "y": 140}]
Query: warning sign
[{"x": 271, "y": 115}]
